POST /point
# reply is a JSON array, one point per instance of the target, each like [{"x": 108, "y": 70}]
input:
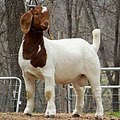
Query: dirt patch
[{"x": 59, "y": 116}]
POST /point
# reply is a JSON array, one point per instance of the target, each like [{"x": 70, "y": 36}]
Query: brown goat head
[{"x": 36, "y": 18}]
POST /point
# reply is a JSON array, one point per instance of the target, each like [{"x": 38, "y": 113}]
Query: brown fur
[
  {"x": 26, "y": 21},
  {"x": 48, "y": 95},
  {"x": 33, "y": 23},
  {"x": 34, "y": 18},
  {"x": 31, "y": 46},
  {"x": 28, "y": 95}
]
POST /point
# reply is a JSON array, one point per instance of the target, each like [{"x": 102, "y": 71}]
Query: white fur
[
  {"x": 96, "y": 39},
  {"x": 44, "y": 9},
  {"x": 67, "y": 60}
]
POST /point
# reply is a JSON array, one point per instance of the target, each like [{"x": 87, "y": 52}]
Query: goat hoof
[
  {"x": 28, "y": 114},
  {"x": 98, "y": 118},
  {"x": 50, "y": 116},
  {"x": 75, "y": 115}
]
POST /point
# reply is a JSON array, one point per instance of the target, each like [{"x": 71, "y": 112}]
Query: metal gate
[{"x": 10, "y": 90}]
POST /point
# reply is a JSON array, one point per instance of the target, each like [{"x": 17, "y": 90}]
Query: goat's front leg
[
  {"x": 30, "y": 93},
  {"x": 50, "y": 96}
]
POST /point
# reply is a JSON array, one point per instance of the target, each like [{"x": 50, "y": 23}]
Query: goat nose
[{"x": 46, "y": 23}]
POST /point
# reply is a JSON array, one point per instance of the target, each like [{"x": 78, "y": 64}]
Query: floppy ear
[{"x": 25, "y": 22}]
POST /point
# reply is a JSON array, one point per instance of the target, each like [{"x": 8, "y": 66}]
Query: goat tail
[{"x": 96, "y": 39}]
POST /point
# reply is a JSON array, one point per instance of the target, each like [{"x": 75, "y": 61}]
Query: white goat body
[{"x": 66, "y": 61}]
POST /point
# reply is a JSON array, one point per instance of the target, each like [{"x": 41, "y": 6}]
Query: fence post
[{"x": 62, "y": 90}]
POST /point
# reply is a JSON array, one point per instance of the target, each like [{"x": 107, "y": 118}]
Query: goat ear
[
  {"x": 25, "y": 22},
  {"x": 46, "y": 14}
]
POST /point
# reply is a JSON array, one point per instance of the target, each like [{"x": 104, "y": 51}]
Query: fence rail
[
  {"x": 110, "y": 86},
  {"x": 111, "y": 69}
]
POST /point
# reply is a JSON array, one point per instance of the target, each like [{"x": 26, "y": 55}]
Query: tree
[
  {"x": 116, "y": 57},
  {"x": 69, "y": 16},
  {"x": 14, "y": 9}
]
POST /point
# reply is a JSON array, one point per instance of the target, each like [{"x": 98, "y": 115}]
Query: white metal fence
[
  {"x": 10, "y": 90},
  {"x": 90, "y": 104}
]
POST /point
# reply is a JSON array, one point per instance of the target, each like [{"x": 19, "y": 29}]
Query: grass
[{"x": 115, "y": 114}]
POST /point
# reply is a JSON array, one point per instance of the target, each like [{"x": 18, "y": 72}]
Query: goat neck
[{"x": 34, "y": 49}]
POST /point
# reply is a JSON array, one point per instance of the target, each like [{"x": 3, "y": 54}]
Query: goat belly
[{"x": 65, "y": 75}]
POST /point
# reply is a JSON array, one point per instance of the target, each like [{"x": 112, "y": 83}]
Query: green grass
[{"x": 115, "y": 114}]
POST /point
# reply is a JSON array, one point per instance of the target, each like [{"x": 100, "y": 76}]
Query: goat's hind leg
[
  {"x": 30, "y": 93},
  {"x": 96, "y": 90},
  {"x": 79, "y": 99}
]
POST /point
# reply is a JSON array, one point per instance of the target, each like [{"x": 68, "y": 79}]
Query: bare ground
[{"x": 39, "y": 116}]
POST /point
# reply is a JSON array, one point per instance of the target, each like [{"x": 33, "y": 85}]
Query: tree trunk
[
  {"x": 69, "y": 16},
  {"x": 78, "y": 10},
  {"x": 116, "y": 59},
  {"x": 14, "y": 9}
]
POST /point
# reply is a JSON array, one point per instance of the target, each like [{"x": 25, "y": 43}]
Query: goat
[{"x": 63, "y": 62}]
